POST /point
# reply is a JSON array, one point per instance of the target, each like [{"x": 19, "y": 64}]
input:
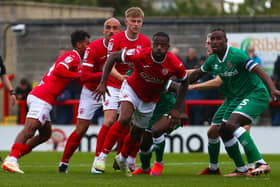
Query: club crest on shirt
[
  {"x": 229, "y": 64},
  {"x": 110, "y": 46},
  {"x": 164, "y": 71},
  {"x": 68, "y": 59}
]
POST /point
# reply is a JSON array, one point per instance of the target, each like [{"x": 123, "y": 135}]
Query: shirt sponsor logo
[
  {"x": 229, "y": 74},
  {"x": 130, "y": 52},
  {"x": 154, "y": 80}
]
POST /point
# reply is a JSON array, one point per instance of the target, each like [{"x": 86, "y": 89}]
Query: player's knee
[
  {"x": 225, "y": 132},
  {"x": 146, "y": 142},
  {"x": 125, "y": 121},
  {"x": 213, "y": 132},
  {"x": 136, "y": 133},
  {"x": 29, "y": 130},
  {"x": 82, "y": 128},
  {"x": 109, "y": 122},
  {"x": 156, "y": 132}
]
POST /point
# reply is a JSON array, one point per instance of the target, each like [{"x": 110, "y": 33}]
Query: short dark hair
[
  {"x": 161, "y": 34},
  {"x": 78, "y": 36},
  {"x": 221, "y": 30}
]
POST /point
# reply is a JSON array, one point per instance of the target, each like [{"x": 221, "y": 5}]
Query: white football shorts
[
  {"x": 143, "y": 111},
  {"x": 38, "y": 109},
  {"x": 112, "y": 102},
  {"x": 88, "y": 105}
]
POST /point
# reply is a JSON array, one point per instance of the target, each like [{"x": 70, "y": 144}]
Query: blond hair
[{"x": 134, "y": 12}]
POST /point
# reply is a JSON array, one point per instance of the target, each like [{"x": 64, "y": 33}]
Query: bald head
[{"x": 111, "y": 26}]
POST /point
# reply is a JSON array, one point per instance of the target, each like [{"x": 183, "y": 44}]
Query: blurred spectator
[
  {"x": 253, "y": 55},
  {"x": 275, "y": 110},
  {"x": 22, "y": 91},
  {"x": 61, "y": 51},
  {"x": 176, "y": 52},
  {"x": 191, "y": 61}
]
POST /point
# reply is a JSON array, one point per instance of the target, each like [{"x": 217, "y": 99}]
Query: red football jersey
[
  {"x": 94, "y": 59},
  {"x": 149, "y": 77},
  {"x": 119, "y": 42},
  {"x": 52, "y": 84}
]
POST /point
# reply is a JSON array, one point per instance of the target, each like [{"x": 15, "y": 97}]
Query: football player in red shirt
[
  {"x": 140, "y": 92},
  {"x": 94, "y": 59},
  {"x": 41, "y": 99},
  {"x": 128, "y": 39}
]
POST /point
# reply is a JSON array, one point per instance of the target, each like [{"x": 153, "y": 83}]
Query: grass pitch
[{"x": 180, "y": 170}]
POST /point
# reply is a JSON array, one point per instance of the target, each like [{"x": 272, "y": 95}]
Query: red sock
[
  {"x": 101, "y": 138},
  {"x": 127, "y": 145},
  {"x": 113, "y": 134},
  {"x": 19, "y": 149},
  {"x": 134, "y": 149},
  {"x": 72, "y": 144},
  {"x": 121, "y": 139}
]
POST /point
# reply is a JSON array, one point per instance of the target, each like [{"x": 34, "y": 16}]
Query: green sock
[
  {"x": 250, "y": 148},
  {"x": 159, "y": 150},
  {"x": 214, "y": 150},
  {"x": 234, "y": 153},
  {"x": 145, "y": 160}
]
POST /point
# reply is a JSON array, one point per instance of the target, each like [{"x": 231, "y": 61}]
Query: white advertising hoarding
[
  {"x": 185, "y": 139},
  {"x": 267, "y": 46}
]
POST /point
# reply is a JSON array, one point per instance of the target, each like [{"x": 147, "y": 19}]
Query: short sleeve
[
  {"x": 130, "y": 55},
  {"x": 206, "y": 66}
]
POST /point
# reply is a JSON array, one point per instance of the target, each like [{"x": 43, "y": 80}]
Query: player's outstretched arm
[
  {"x": 210, "y": 84},
  {"x": 195, "y": 74},
  {"x": 267, "y": 81}
]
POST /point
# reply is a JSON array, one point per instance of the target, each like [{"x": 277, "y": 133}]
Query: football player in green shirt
[{"x": 245, "y": 88}]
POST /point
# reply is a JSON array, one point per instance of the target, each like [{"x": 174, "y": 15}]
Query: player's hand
[
  {"x": 178, "y": 118},
  {"x": 124, "y": 77},
  {"x": 275, "y": 94},
  {"x": 174, "y": 116},
  {"x": 13, "y": 99},
  {"x": 100, "y": 91},
  {"x": 191, "y": 87}
]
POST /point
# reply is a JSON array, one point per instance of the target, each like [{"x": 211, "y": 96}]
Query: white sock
[
  {"x": 213, "y": 166},
  {"x": 12, "y": 159},
  {"x": 242, "y": 169},
  {"x": 261, "y": 161},
  {"x": 131, "y": 160},
  {"x": 250, "y": 165},
  {"x": 103, "y": 155}
]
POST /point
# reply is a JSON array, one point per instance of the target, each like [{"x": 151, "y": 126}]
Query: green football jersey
[{"x": 234, "y": 69}]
